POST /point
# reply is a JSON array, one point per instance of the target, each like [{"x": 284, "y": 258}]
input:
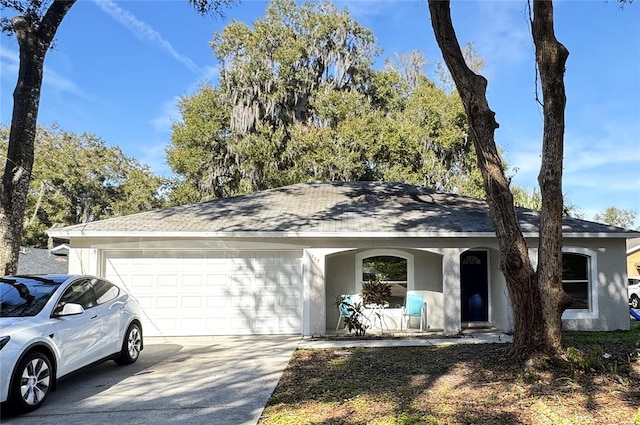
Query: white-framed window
[
  {"x": 579, "y": 272},
  {"x": 397, "y": 267}
]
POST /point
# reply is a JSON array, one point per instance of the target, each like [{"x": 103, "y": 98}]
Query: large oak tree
[
  {"x": 35, "y": 26},
  {"x": 536, "y": 294},
  {"x": 77, "y": 178},
  {"x": 299, "y": 100}
]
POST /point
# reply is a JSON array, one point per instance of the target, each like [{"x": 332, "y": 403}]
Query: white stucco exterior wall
[
  {"x": 314, "y": 304},
  {"x": 436, "y": 260},
  {"x": 84, "y": 261},
  {"x": 317, "y": 300},
  {"x": 451, "y": 289}
]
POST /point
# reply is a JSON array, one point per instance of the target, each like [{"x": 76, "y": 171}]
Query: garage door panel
[
  {"x": 193, "y": 281},
  {"x": 267, "y": 304},
  {"x": 290, "y": 302},
  {"x": 212, "y": 324},
  {"x": 191, "y": 302},
  {"x": 241, "y": 280},
  {"x": 192, "y": 323},
  {"x": 166, "y": 302},
  {"x": 144, "y": 280},
  {"x": 217, "y": 280},
  {"x": 265, "y": 323},
  {"x": 141, "y": 261},
  {"x": 216, "y": 303},
  {"x": 165, "y": 324},
  {"x": 212, "y": 293},
  {"x": 145, "y": 302},
  {"x": 242, "y": 303},
  {"x": 240, "y": 322},
  {"x": 170, "y": 280}
]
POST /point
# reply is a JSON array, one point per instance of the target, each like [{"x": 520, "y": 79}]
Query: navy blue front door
[{"x": 474, "y": 286}]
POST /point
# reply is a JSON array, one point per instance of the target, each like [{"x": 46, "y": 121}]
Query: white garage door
[{"x": 212, "y": 292}]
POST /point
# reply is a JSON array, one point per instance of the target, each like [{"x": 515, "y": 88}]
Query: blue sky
[{"x": 119, "y": 68}]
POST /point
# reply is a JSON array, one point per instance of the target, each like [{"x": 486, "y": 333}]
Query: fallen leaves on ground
[{"x": 459, "y": 384}]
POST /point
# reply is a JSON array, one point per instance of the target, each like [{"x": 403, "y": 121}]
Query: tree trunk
[
  {"x": 34, "y": 39},
  {"x": 551, "y": 57},
  {"x": 535, "y": 297}
]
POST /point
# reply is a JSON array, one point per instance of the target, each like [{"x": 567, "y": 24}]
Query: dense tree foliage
[
  {"x": 532, "y": 199},
  {"x": 616, "y": 217},
  {"x": 77, "y": 178},
  {"x": 34, "y": 24},
  {"x": 299, "y": 100}
]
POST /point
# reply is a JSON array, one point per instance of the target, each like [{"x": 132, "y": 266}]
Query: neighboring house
[
  {"x": 36, "y": 260},
  {"x": 633, "y": 257},
  {"x": 274, "y": 261}
]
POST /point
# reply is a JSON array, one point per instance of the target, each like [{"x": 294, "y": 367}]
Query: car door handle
[
  {"x": 94, "y": 316},
  {"x": 117, "y": 304}
]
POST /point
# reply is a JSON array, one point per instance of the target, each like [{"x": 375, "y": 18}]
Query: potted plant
[
  {"x": 376, "y": 292},
  {"x": 376, "y": 295},
  {"x": 354, "y": 321}
]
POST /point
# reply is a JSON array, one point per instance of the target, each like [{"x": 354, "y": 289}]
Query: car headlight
[{"x": 4, "y": 340}]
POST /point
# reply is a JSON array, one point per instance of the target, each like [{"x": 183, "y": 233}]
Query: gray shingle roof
[
  {"x": 327, "y": 208},
  {"x": 36, "y": 261}
]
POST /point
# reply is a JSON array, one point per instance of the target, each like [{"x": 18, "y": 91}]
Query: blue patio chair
[
  {"x": 345, "y": 308},
  {"x": 413, "y": 307}
]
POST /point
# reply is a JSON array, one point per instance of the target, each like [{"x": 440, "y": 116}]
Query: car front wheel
[
  {"x": 131, "y": 346},
  {"x": 635, "y": 302},
  {"x": 31, "y": 383}
]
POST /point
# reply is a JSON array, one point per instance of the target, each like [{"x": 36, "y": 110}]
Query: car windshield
[{"x": 22, "y": 296}]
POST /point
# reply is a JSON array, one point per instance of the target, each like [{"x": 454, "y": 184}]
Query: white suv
[{"x": 634, "y": 291}]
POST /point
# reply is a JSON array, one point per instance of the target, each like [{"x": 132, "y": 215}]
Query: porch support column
[
  {"x": 314, "y": 298},
  {"x": 451, "y": 290}
]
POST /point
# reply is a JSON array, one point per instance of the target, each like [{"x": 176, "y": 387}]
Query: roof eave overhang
[{"x": 293, "y": 234}]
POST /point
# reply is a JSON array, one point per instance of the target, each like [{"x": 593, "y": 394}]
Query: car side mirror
[{"x": 70, "y": 309}]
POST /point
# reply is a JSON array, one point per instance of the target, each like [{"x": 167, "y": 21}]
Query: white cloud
[
  {"x": 10, "y": 62},
  {"x": 525, "y": 161},
  {"x": 502, "y": 31},
  {"x": 169, "y": 114},
  {"x": 366, "y": 9},
  {"x": 144, "y": 32},
  {"x": 616, "y": 148},
  {"x": 52, "y": 79},
  {"x": 211, "y": 74},
  {"x": 609, "y": 182},
  {"x": 153, "y": 155}
]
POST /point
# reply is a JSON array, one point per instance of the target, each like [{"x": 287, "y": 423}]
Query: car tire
[
  {"x": 31, "y": 382},
  {"x": 635, "y": 302},
  {"x": 131, "y": 346}
]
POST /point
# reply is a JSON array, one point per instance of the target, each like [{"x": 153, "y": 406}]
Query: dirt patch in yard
[{"x": 460, "y": 384}]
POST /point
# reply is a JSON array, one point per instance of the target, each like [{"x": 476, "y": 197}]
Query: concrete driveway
[{"x": 191, "y": 380}]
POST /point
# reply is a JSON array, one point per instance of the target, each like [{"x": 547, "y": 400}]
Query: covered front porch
[
  {"x": 411, "y": 337},
  {"x": 460, "y": 288}
]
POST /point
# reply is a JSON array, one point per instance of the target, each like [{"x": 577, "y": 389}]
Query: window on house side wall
[{"x": 575, "y": 279}]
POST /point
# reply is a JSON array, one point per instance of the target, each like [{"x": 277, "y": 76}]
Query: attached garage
[{"x": 194, "y": 292}]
